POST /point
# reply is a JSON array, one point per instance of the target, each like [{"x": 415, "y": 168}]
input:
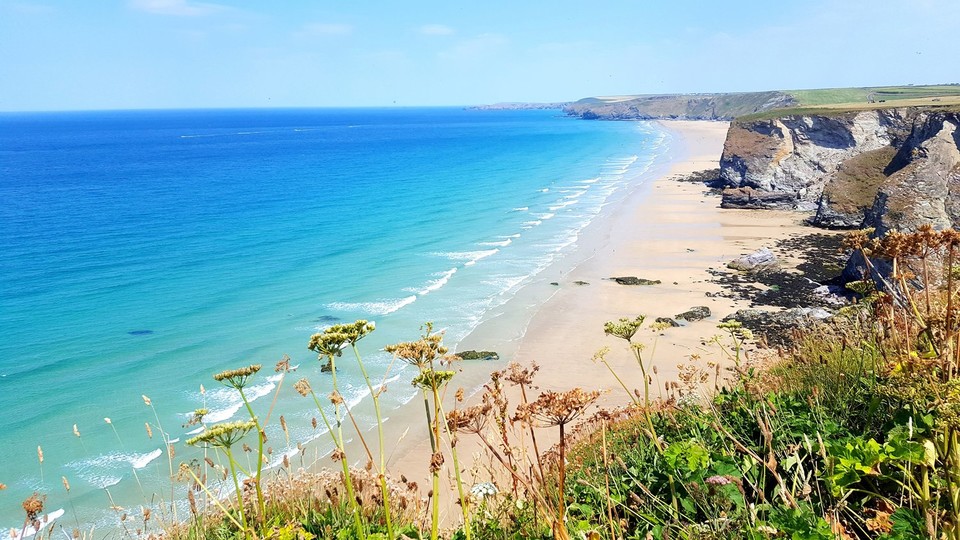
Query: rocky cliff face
[{"x": 888, "y": 168}]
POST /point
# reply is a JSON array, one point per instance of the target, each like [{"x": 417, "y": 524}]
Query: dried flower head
[
  {"x": 146, "y": 400},
  {"x": 33, "y": 506},
  {"x": 283, "y": 365},
  {"x": 223, "y": 435},
  {"x": 302, "y": 387},
  {"x": 76, "y": 431},
  {"x": 237, "y": 378},
  {"x": 470, "y": 420},
  {"x": 519, "y": 375},
  {"x": 557, "y": 408},
  {"x": 149, "y": 431},
  {"x": 197, "y": 416},
  {"x": 624, "y": 328},
  {"x": 66, "y": 484},
  {"x": 39, "y": 453}
]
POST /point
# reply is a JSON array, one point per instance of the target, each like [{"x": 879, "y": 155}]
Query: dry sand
[{"x": 663, "y": 230}]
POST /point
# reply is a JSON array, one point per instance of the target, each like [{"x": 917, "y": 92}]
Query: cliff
[
  {"x": 684, "y": 106},
  {"x": 885, "y": 168}
]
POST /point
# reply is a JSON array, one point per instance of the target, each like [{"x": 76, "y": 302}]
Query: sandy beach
[{"x": 663, "y": 230}]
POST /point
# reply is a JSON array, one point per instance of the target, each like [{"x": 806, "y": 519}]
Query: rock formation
[{"x": 886, "y": 168}]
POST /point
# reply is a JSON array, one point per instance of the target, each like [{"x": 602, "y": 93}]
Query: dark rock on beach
[
  {"x": 668, "y": 320},
  {"x": 777, "y": 327},
  {"x": 478, "y": 355},
  {"x": 328, "y": 367},
  {"x": 696, "y": 313},
  {"x": 633, "y": 280},
  {"x": 580, "y": 282}
]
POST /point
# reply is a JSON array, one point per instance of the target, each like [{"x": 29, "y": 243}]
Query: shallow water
[{"x": 145, "y": 251}]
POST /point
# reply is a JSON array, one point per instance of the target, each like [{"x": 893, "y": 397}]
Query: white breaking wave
[
  {"x": 143, "y": 460},
  {"x": 501, "y": 243},
  {"x": 590, "y": 181},
  {"x": 470, "y": 256},
  {"x": 545, "y": 216},
  {"x": 437, "y": 283},
  {"x": 378, "y": 307},
  {"x": 521, "y": 209}
]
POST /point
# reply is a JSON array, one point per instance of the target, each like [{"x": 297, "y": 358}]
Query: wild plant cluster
[{"x": 852, "y": 433}]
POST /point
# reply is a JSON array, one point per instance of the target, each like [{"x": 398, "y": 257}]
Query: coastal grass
[{"x": 851, "y": 431}]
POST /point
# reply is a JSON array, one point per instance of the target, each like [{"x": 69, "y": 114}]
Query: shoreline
[{"x": 659, "y": 228}]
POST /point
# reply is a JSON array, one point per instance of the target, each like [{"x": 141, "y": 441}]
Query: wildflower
[
  {"x": 283, "y": 366},
  {"x": 484, "y": 490},
  {"x": 237, "y": 378},
  {"x": 197, "y": 416},
  {"x": 557, "y": 408},
  {"x": 302, "y": 387},
  {"x": 40, "y": 453},
  {"x": 107, "y": 420},
  {"x": 436, "y": 462},
  {"x": 149, "y": 431},
  {"x": 223, "y": 435},
  {"x": 420, "y": 353},
  {"x": 331, "y": 341},
  {"x": 2, "y": 486},
  {"x": 624, "y": 328},
  {"x": 432, "y": 379},
  {"x": 470, "y": 420},
  {"x": 521, "y": 376},
  {"x": 146, "y": 400},
  {"x": 717, "y": 480},
  {"x": 336, "y": 398},
  {"x": 66, "y": 484},
  {"x": 33, "y": 506},
  {"x": 76, "y": 431}
]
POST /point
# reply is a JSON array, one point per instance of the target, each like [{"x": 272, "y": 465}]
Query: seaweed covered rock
[
  {"x": 478, "y": 355},
  {"x": 633, "y": 280},
  {"x": 696, "y": 313}
]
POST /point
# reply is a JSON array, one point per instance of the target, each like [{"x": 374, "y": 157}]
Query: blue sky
[{"x": 123, "y": 54}]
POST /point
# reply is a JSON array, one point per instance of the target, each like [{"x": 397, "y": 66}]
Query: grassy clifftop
[{"x": 725, "y": 106}]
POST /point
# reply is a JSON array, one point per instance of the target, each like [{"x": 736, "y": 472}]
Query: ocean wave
[
  {"x": 510, "y": 236},
  {"x": 444, "y": 277},
  {"x": 470, "y": 256},
  {"x": 590, "y": 180},
  {"x": 143, "y": 460},
  {"x": 521, "y": 209},
  {"x": 379, "y": 307},
  {"x": 545, "y": 216},
  {"x": 500, "y": 243},
  {"x": 562, "y": 204},
  {"x": 576, "y": 195},
  {"x": 228, "y": 403},
  {"x": 531, "y": 224}
]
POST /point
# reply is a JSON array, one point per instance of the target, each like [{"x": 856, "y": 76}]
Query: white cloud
[
  {"x": 325, "y": 29},
  {"x": 436, "y": 30},
  {"x": 180, "y": 8}
]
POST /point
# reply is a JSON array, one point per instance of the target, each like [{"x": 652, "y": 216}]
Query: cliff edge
[{"x": 891, "y": 169}]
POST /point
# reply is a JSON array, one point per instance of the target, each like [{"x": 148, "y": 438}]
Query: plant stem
[{"x": 383, "y": 465}]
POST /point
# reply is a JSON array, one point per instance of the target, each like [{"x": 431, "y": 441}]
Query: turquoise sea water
[{"x": 141, "y": 252}]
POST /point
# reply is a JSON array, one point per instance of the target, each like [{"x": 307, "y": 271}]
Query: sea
[{"x": 143, "y": 251}]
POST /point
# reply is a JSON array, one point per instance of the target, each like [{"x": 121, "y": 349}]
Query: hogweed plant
[
  {"x": 329, "y": 345},
  {"x": 428, "y": 354},
  {"x": 223, "y": 437}
]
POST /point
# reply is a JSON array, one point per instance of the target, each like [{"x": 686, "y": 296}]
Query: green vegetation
[
  {"x": 834, "y": 96},
  {"x": 853, "y": 433}
]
